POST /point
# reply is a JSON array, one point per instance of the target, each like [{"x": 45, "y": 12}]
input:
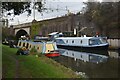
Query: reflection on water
[
  {"x": 93, "y": 65},
  {"x": 113, "y": 54},
  {"x": 86, "y": 57}
]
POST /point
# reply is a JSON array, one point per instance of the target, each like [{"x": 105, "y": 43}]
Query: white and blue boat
[{"x": 83, "y": 42}]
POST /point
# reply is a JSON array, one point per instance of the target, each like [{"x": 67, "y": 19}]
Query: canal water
[{"x": 93, "y": 65}]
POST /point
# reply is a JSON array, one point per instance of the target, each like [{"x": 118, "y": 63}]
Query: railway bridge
[{"x": 59, "y": 24}]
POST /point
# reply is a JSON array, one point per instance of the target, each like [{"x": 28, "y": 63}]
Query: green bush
[{"x": 33, "y": 51}]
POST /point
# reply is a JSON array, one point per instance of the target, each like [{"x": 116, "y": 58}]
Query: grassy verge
[
  {"x": 0, "y": 60},
  {"x": 30, "y": 66}
]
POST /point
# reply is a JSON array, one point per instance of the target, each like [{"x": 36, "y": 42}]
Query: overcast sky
[{"x": 62, "y": 5}]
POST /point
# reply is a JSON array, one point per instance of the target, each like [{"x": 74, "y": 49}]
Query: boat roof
[
  {"x": 53, "y": 33},
  {"x": 39, "y": 42},
  {"x": 75, "y": 37}
]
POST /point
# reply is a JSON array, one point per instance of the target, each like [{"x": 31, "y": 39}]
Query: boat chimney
[
  {"x": 97, "y": 36},
  {"x": 84, "y": 35}
]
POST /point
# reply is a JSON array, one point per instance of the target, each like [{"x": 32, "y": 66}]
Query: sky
[{"x": 62, "y": 5}]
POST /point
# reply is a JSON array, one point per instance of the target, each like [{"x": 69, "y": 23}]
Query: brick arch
[
  {"x": 20, "y": 33},
  {"x": 27, "y": 29}
]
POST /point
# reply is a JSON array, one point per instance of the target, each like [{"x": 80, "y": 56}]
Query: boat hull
[
  {"x": 97, "y": 49},
  {"x": 52, "y": 54}
]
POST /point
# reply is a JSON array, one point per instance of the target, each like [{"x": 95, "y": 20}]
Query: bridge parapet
[{"x": 22, "y": 25}]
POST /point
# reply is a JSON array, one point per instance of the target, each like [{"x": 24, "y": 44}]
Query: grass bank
[{"x": 30, "y": 66}]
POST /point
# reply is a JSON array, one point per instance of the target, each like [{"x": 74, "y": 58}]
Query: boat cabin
[
  {"x": 41, "y": 47},
  {"x": 80, "y": 41}
]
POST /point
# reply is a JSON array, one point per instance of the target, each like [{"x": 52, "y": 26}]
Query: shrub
[{"x": 33, "y": 51}]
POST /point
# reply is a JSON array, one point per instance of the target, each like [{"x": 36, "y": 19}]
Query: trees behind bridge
[
  {"x": 8, "y": 33},
  {"x": 105, "y": 16}
]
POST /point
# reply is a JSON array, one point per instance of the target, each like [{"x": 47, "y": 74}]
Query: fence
[{"x": 114, "y": 43}]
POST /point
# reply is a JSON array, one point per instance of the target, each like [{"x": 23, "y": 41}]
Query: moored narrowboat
[
  {"x": 41, "y": 47},
  {"x": 83, "y": 42}
]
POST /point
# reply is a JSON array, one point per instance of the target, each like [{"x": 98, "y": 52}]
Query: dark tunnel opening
[{"x": 20, "y": 33}]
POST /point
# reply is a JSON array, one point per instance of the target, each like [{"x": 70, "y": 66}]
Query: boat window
[
  {"x": 30, "y": 46},
  {"x": 72, "y": 41},
  {"x": 67, "y": 53},
  {"x": 23, "y": 44},
  {"x": 20, "y": 44},
  {"x": 60, "y": 35},
  {"x": 38, "y": 48},
  {"x": 103, "y": 40},
  {"x": 72, "y": 54},
  {"x": 94, "y": 41},
  {"x": 81, "y": 56},
  {"x": 60, "y": 41},
  {"x": 27, "y": 45},
  {"x": 81, "y": 41},
  {"x": 48, "y": 50},
  {"x": 67, "y": 41}
]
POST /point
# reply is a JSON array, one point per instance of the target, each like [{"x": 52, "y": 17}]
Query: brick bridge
[{"x": 59, "y": 24}]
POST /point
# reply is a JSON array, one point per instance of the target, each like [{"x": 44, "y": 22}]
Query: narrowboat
[
  {"x": 41, "y": 47},
  {"x": 83, "y": 42}
]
